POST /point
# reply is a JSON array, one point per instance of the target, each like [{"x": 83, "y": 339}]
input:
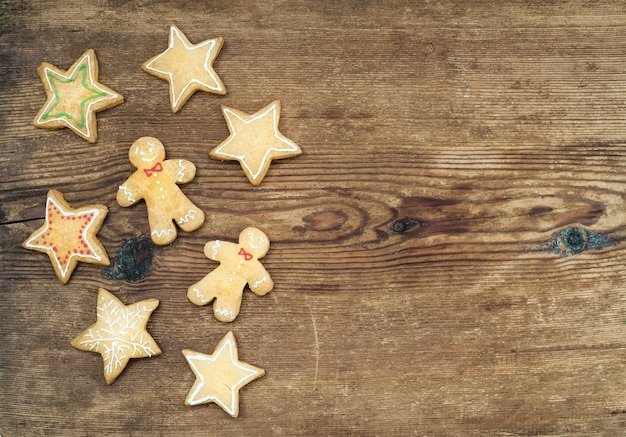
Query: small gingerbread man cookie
[
  {"x": 156, "y": 181},
  {"x": 239, "y": 265}
]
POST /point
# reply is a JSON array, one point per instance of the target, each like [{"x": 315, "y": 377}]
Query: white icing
[
  {"x": 189, "y": 216},
  {"x": 150, "y": 150},
  {"x": 129, "y": 195},
  {"x": 195, "y": 398},
  {"x": 181, "y": 171},
  {"x": 92, "y": 255},
  {"x": 215, "y": 248},
  {"x": 225, "y": 312},
  {"x": 289, "y": 146},
  {"x": 122, "y": 333},
  {"x": 257, "y": 283},
  {"x": 200, "y": 296},
  {"x": 162, "y": 232},
  {"x": 86, "y": 131},
  {"x": 177, "y": 38}
]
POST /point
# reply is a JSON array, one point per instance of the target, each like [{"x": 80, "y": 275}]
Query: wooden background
[{"x": 448, "y": 251}]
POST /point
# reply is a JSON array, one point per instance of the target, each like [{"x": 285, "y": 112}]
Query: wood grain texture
[{"x": 448, "y": 250}]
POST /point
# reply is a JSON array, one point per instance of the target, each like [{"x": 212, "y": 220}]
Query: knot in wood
[
  {"x": 576, "y": 239},
  {"x": 132, "y": 261},
  {"x": 402, "y": 225}
]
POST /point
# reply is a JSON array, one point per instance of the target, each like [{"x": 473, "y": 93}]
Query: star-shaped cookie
[
  {"x": 68, "y": 235},
  {"x": 255, "y": 141},
  {"x": 119, "y": 333},
  {"x": 220, "y": 376},
  {"x": 187, "y": 67},
  {"x": 74, "y": 97}
]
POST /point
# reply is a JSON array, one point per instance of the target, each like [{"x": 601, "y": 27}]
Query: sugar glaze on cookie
[
  {"x": 220, "y": 376},
  {"x": 119, "y": 333},
  {"x": 68, "y": 235},
  {"x": 255, "y": 141},
  {"x": 187, "y": 67},
  {"x": 74, "y": 97}
]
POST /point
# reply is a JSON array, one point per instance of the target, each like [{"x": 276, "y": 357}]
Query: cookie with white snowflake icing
[{"x": 119, "y": 333}]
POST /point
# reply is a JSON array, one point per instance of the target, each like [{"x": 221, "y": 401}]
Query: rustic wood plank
[{"x": 447, "y": 250}]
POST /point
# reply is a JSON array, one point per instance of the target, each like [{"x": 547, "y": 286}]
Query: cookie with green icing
[{"x": 74, "y": 97}]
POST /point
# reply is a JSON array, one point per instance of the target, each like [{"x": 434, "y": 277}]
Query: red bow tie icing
[
  {"x": 156, "y": 169},
  {"x": 247, "y": 256}
]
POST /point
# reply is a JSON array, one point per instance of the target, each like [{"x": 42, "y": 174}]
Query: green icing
[{"x": 81, "y": 73}]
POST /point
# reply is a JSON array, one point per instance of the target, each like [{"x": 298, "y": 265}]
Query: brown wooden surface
[{"x": 448, "y": 251}]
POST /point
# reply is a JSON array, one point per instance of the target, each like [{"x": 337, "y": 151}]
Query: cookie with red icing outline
[
  {"x": 68, "y": 235},
  {"x": 74, "y": 96}
]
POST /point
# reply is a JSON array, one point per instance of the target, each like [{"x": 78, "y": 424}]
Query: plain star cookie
[
  {"x": 74, "y": 96},
  {"x": 187, "y": 67},
  {"x": 239, "y": 265},
  {"x": 254, "y": 141},
  {"x": 155, "y": 181},
  {"x": 220, "y": 376},
  {"x": 119, "y": 333},
  {"x": 68, "y": 235}
]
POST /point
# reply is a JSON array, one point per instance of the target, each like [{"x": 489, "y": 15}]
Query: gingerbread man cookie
[
  {"x": 239, "y": 265},
  {"x": 156, "y": 181},
  {"x": 74, "y": 97},
  {"x": 69, "y": 235}
]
